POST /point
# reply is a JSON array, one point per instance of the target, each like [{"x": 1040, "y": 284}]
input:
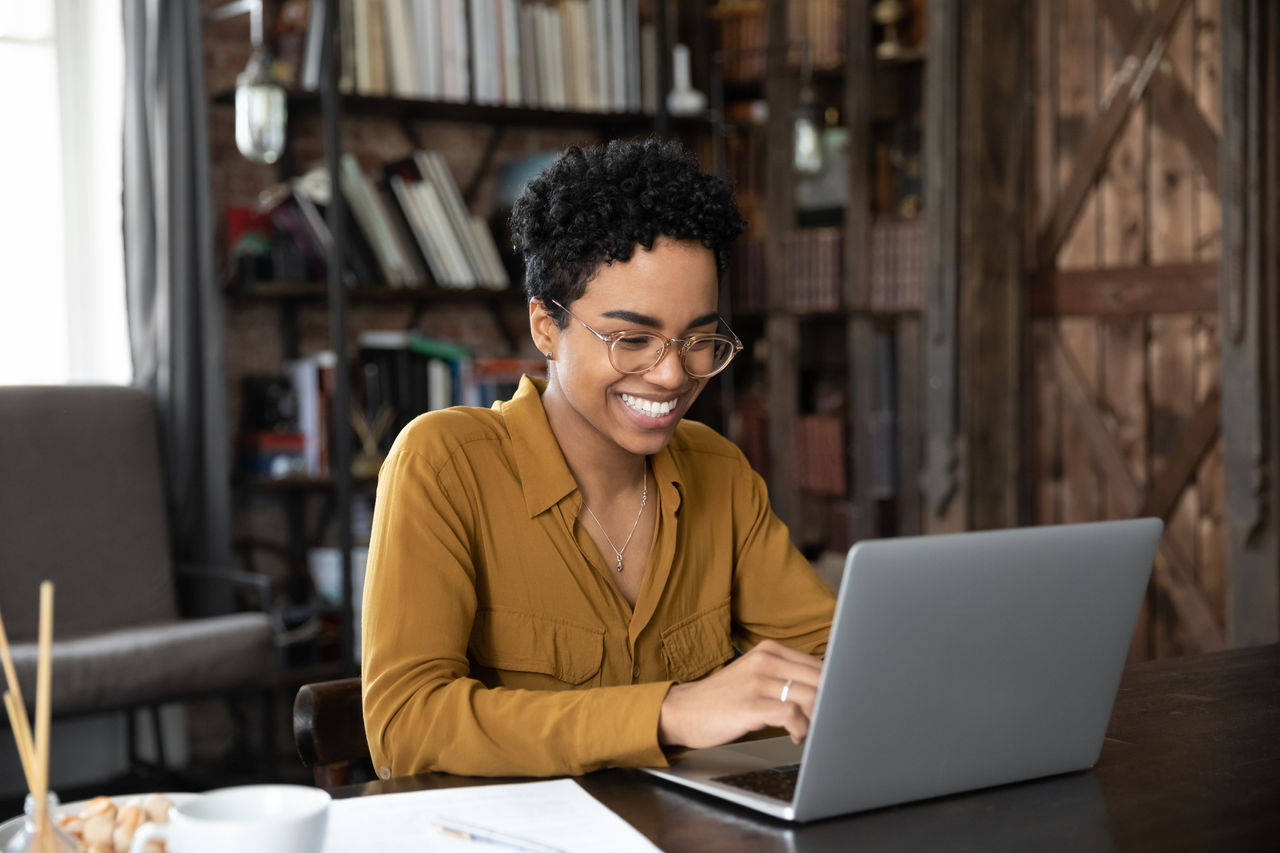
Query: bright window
[{"x": 62, "y": 303}]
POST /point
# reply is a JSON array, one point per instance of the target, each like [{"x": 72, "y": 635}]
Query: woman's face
[{"x": 671, "y": 289}]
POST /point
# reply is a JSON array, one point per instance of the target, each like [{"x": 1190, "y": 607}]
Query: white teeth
[{"x": 649, "y": 407}]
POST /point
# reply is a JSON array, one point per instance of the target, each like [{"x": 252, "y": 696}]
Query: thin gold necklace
[{"x": 644, "y": 499}]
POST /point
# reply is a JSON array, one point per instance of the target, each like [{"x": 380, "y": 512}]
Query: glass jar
[{"x": 24, "y": 840}]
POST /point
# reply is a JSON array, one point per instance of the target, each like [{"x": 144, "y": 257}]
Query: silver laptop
[{"x": 955, "y": 662}]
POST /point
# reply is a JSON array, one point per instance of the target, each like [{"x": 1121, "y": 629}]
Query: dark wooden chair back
[{"x": 328, "y": 729}]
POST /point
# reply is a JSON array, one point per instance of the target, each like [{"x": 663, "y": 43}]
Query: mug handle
[{"x": 148, "y": 832}]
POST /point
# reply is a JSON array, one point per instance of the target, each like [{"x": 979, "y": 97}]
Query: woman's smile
[{"x": 652, "y": 412}]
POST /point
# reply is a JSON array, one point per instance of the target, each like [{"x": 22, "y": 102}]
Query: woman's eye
[{"x": 635, "y": 342}]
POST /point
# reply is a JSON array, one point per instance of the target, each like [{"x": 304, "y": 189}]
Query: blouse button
[{"x": 384, "y": 772}]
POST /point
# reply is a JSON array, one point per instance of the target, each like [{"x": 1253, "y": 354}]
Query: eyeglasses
[{"x": 639, "y": 351}]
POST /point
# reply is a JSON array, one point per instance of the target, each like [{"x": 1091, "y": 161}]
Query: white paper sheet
[{"x": 556, "y": 813}]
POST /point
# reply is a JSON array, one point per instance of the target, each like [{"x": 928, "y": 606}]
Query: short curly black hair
[{"x": 595, "y": 205}]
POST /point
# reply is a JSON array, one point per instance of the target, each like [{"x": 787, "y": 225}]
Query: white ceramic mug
[{"x": 244, "y": 819}]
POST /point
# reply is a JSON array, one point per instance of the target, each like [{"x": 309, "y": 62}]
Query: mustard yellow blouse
[{"x": 494, "y": 640}]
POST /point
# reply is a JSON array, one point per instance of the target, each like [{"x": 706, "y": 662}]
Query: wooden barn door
[{"x": 1123, "y": 347}]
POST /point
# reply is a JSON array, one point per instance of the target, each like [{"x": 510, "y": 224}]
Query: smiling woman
[
  {"x": 62, "y": 304},
  {"x": 559, "y": 583}
]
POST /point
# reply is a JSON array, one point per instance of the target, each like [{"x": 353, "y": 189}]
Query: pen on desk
[{"x": 471, "y": 832}]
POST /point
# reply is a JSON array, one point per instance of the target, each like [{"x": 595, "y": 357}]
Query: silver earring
[{"x": 549, "y": 355}]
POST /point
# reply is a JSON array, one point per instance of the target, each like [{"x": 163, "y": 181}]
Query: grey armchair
[{"x": 82, "y": 503}]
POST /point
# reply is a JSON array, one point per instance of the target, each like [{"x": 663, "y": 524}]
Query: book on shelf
[
  {"x": 312, "y": 46},
  {"x": 419, "y": 204},
  {"x": 300, "y": 238},
  {"x": 456, "y": 245},
  {"x": 496, "y": 378},
  {"x": 272, "y": 455},
  {"x": 358, "y": 263},
  {"x": 346, "y": 46},
  {"x": 313, "y": 382},
  {"x": 394, "y": 258},
  {"x": 815, "y": 26},
  {"x": 402, "y": 73},
  {"x": 295, "y": 253},
  {"x": 425, "y": 21},
  {"x": 586, "y": 55},
  {"x": 813, "y": 269},
  {"x": 409, "y": 373}
]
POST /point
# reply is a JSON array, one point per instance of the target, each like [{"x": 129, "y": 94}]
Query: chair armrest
[
  {"x": 328, "y": 727},
  {"x": 236, "y": 577}
]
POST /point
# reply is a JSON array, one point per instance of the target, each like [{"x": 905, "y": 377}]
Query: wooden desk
[{"x": 1191, "y": 762}]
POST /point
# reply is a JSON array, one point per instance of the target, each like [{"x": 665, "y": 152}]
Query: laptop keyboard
[{"x": 777, "y": 782}]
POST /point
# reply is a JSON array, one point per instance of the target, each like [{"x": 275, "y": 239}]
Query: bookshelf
[
  {"x": 827, "y": 290},
  {"x": 336, "y": 118}
]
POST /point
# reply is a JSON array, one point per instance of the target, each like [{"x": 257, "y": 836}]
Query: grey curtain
[{"x": 174, "y": 306}]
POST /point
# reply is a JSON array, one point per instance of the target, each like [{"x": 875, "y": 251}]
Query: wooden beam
[
  {"x": 1146, "y": 48},
  {"x": 992, "y": 191},
  {"x": 909, "y": 423},
  {"x": 1250, "y": 317},
  {"x": 942, "y": 472},
  {"x": 1198, "y": 436},
  {"x": 781, "y": 326},
  {"x": 1126, "y": 291},
  {"x": 860, "y": 374},
  {"x": 1177, "y": 106},
  {"x": 1174, "y": 574}
]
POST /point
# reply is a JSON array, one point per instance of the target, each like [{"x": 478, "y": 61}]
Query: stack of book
[
  {"x": 812, "y": 270},
  {"x": 588, "y": 55},
  {"x": 813, "y": 258},
  {"x": 398, "y": 375},
  {"x": 456, "y": 245},
  {"x": 897, "y": 264},
  {"x": 815, "y": 26},
  {"x": 408, "y": 373},
  {"x": 411, "y": 229}
]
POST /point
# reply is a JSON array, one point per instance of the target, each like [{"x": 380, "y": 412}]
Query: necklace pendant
[{"x": 619, "y": 566}]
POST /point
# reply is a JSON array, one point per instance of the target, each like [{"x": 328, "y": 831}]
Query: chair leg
[
  {"x": 269, "y": 732},
  {"x": 131, "y": 739},
  {"x": 158, "y": 734},
  {"x": 243, "y": 744}
]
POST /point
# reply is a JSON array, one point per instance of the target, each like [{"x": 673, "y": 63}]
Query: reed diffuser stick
[
  {"x": 22, "y": 726},
  {"x": 24, "y": 744},
  {"x": 44, "y": 826}
]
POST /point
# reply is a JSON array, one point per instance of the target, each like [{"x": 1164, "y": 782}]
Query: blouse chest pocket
[
  {"x": 698, "y": 644},
  {"x": 521, "y": 643}
]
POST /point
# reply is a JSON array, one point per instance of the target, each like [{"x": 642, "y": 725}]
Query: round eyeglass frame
[{"x": 684, "y": 344}]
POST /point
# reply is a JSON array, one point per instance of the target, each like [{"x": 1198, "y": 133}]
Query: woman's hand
[{"x": 745, "y": 696}]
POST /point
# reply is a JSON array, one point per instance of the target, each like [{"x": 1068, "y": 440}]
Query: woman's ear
[{"x": 543, "y": 328}]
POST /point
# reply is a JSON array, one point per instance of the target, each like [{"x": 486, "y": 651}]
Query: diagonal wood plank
[
  {"x": 1177, "y": 107},
  {"x": 1198, "y": 436},
  {"x": 1148, "y": 44},
  {"x": 1178, "y": 582}
]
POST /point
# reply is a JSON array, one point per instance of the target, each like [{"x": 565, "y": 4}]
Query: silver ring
[{"x": 786, "y": 691}]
